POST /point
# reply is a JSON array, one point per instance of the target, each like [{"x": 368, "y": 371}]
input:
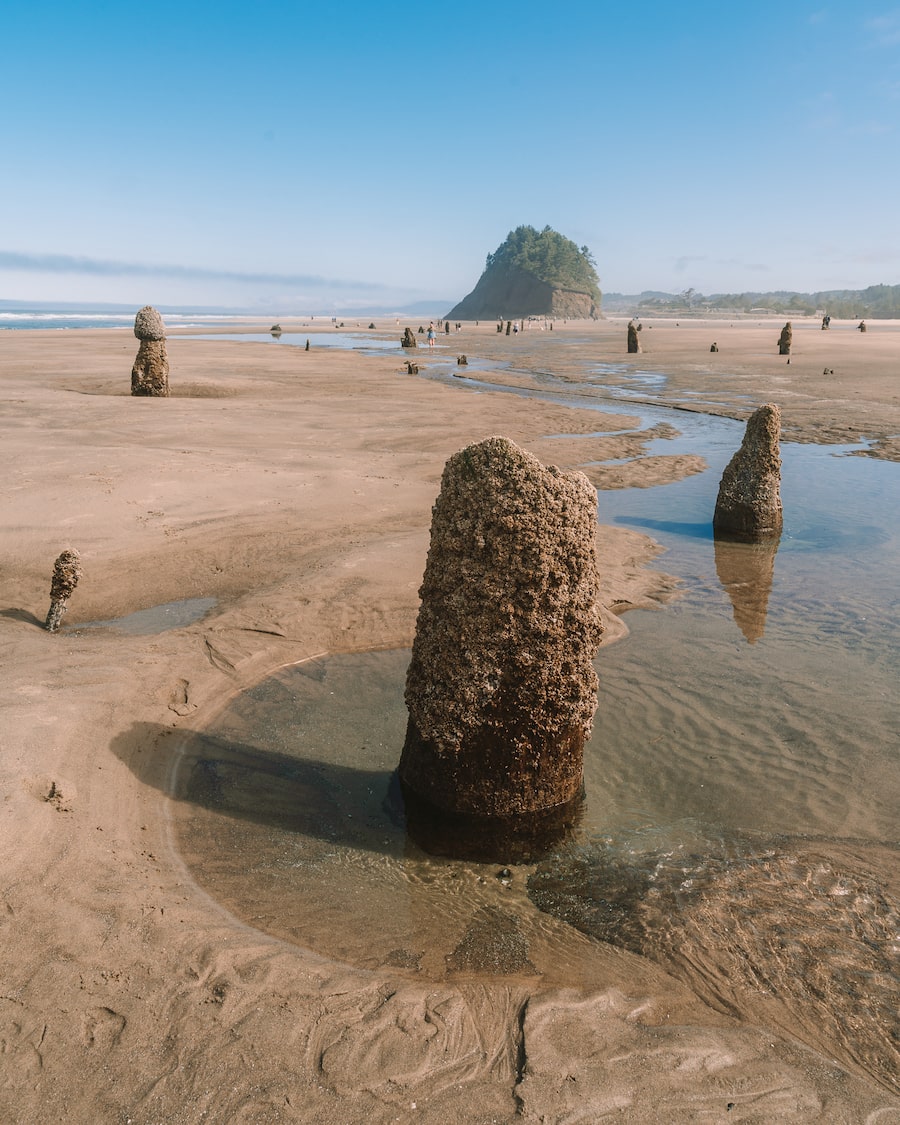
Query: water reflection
[{"x": 746, "y": 571}]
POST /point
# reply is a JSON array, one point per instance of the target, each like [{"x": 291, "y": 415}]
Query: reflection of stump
[
  {"x": 501, "y": 688},
  {"x": 150, "y": 373},
  {"x": 746, "y": 571},
  {"x": 66, "y": 573},
  {"x": 748, "y": 506},
  {"x": 634, "y": 343},
  {"x": 784, "y": 340},
  {"x": 409, "y": 340}
]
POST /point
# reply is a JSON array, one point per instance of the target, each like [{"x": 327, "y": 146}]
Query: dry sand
[{"x": 295, "y": 489}]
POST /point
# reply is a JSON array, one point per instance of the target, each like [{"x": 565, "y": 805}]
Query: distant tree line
[
  {"x": 876, "y": 302},
  {"x": 550, "y": 257}
]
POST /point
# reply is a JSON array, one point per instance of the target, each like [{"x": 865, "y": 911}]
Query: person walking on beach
[{"x": 431, "y": 334}]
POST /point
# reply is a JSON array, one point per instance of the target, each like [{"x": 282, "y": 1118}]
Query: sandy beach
[{"x": 282, "y": 498}]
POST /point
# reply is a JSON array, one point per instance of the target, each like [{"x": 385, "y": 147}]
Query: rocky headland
[{"x": 534, "y": 274}]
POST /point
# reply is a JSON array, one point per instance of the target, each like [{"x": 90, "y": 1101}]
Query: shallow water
[
  {"x": 742, "y": 783},
  {"x": 353, "y": 341},
  {"x": 153, "y": 620}
]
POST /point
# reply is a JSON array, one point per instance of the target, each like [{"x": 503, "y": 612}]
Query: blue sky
[{"x": 305, "y": 156}]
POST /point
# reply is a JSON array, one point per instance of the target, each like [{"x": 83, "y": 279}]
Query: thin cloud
[
  {"x": 885, "y": 30},
  {"x": 688, "y": 261},
  {"x": 99, "y": 267}
]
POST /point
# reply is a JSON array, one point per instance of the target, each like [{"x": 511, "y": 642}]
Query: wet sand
[{"x": 294, "y": 489}]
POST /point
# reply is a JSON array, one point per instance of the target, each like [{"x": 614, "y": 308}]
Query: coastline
[{"x": 295, "y": 489}]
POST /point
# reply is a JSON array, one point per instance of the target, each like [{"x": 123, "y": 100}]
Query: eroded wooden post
[
  {"x": 501, "y": 687},
  {"x": 66, "y": 573}
]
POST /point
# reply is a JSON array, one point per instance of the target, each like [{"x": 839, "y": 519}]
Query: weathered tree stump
[
  {"x": 501, "y": 688},
  {"x": 634, "y": 343},
  {"x": 748, "y": 506},
  {"x": 150, "y": 373},
  {"x": 409, "y": 339},
  {"x": 785, "y": 339},
  {"x": 66, "y": 573}
]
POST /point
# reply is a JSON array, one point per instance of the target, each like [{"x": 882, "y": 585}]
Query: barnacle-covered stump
[
  {"x": 748, "y": 506},
  {"x": 501, "y": 688},
  {"x": 66, "y": 573},
  {"x": 150, "y": 373}
]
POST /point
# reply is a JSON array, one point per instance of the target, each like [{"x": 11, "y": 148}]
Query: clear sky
[{"x": 306, "y": 155}]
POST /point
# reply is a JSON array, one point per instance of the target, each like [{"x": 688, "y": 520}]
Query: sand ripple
[{"x": 800, "y": 935}]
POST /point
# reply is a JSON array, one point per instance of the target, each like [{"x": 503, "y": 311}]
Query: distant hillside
[
  {"x": 534, "y": 273},
  {"x": 876, "y": 302}
]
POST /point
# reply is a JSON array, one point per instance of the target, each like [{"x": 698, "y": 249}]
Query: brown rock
[
  {"x": 749, "y": 501},
  {"x": 518, "y": 294},
  {"x": 501, "y": 688}
]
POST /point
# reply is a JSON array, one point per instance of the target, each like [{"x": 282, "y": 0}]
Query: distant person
[{"x": 431, "y": 334}]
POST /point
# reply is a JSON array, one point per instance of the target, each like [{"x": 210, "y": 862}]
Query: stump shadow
[{"x": 338, "y": 804}]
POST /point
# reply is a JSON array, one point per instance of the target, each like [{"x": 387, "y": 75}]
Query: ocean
[{"x": 15, "y": 317}]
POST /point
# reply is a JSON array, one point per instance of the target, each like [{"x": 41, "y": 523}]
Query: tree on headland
[{"x": 550, "y": 257}]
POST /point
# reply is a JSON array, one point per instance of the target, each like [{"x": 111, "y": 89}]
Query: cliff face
[{"x": 505, "y": 293}]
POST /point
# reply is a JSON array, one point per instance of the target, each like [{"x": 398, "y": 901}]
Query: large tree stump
[
  {"x": 501, "y": 688},
  {"x": 150, "y": 373}
]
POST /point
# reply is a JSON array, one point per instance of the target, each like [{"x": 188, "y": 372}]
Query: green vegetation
[
  {"x": 551, "y": 258},
  {"x": 876, "y": 302}
]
